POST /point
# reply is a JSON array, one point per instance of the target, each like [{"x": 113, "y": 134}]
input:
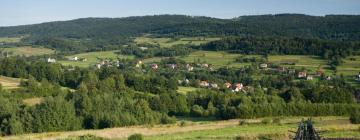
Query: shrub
[
  {"x": 243, "y": 122},
  {"x": 165, "y": 119},
  {"x": 136, "y": 137},
  {"x": 266, "y": 121},
  {"x": 276, "y": 120},
  {"x": 355, "y": 117},
  {"x": 183, "y": 123}
]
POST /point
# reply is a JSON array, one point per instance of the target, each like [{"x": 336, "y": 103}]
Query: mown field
[
  {"x": 28, "y": 51},
  {"x": 330, "y": 126},
  {"x": 169, "y": 42},
  {"x": 185, "y": 90},
  {"x": 93, "y": 58},
  {"x": 9, "y": 83}
]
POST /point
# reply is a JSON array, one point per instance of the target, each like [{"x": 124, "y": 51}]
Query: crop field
[
  {"x": 28, "y": 51},
  {"x": 9, "y": 83},
  {"x": 169, "y": 42},
  {"x": 331, "y": 127},
  {"x": 10, "y": 39},
  {"x": 93, "y": 58}
]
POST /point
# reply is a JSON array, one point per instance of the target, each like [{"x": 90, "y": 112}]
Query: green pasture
[
  {"x": 169, "y": 42},
  {"x": 28, "y": 51}
]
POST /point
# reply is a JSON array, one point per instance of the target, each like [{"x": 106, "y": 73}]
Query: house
[
  {"x": 328, "y": 77},
  {"x": 214, "y": 85},
  {"x": 98, "y": 65},
  {"x": 189, "y": 67},
  {"x": 154, "y": 66},
  {"x": 51, "y": 60},
  {"x": 309, "y": 77},
  {"x": 172, "y": 66},
  {"x": 74, "y": 58},
  {"x": 358, "y": 77},
  {"x": 204, "y": 84},
  {"x": 238, "y": 87},
  {"x": 143, "y": 48},
  {"x": 227, "y": 85},
  {"x": 204, "y": 65},
  {"x": 263, "y": 65},
  {"x": 319, "y": 72},
  {"x": 302, "y": 75}
]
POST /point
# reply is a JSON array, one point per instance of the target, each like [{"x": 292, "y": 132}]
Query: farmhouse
[
  {"x": 263, "y": 65},
  {"x": 51, "y": 60},
  {"x": 204, "y": 84},
  {"x": 214, "y": 85},
  {"x": 238, "y": 87},
  {"x": 154, "y": 66},
  {"x": 227, "y": 85},
  {"x": 281, "y": 69},
  {"x": 189, "y": 67},
  {"x": 358, "y": 77},
  {"x": 74, "y": 58},
  {"x": 302, "y": 75},
  {"x": 291, "y": 71},
  {"x": 309, "y": 77}
]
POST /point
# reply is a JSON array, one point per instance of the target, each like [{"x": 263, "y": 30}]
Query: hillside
[{"x": 296, "y": 25}]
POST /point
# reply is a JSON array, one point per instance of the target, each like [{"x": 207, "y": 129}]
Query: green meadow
[
  {"x": 28, "y": 51},
  {"x": 169, "y": 42},
  {"x": 93, "y": 58}
]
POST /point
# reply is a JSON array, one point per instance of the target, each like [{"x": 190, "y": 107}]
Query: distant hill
[
  {"x": 94, "y": 34},
  {"x": 344, "y": 27}
]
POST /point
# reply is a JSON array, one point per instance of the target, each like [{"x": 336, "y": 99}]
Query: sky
[{"x": 22, "y": 12}]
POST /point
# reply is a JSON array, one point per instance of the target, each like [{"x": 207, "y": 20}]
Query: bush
[
  {"x": 355, "y": 117},
  {"x": 165, "y": 119},
  {"x": 243, "y": 122},
  {"x": 183, "y": 123},
  {"x": 266, "y": 121},
  {"x": 277, "y": 121},
  {"x": 136, "y": 137}
]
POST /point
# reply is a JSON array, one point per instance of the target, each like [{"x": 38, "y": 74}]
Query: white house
[{"x": 51, "y": 60}]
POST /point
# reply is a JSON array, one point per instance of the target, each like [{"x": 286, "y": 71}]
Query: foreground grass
[
  {"x": 28, "y": 51},
  {"x": 169, "y": 42},
  {"x": 9, "y": 83},
  {"x": 93, "y": 58},
  {"x": 209, "y": 129}
]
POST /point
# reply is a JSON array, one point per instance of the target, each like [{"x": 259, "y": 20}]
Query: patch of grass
[
  {"x": 33, "y": 101},
  {"x": 28, "y": 51},
  {"x": 10, "y": 39},
  {"x": 9, "y": 83},
  {"x": 185, "y": 90},
  {"x": 169, "y": 42},
  {"x": 216, "y": 58},
  {"x": 93, "y": 58},
  {"x": 307, "y": 61}
]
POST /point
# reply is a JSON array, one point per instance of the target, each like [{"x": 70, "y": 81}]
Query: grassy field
[
  {"x": 185, "y": 90},
  {"x": 218, "y": 59},
  {"x": 9, "y": 83},
  {"x": 332, "y": 127},
  {"x": 351, "y": 66},
  {"x": 168, "y": 42},
  {"x": 28, "y": 51},
  {"x": 93, "y": 58},
  {"x": 307, "y": 61},
  {"x": 10, "y": 39},
  {"x": 33, "y": 101}
]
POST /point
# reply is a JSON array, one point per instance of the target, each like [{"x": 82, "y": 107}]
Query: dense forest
[
  {"x": 110, "y": 33},
  {"x": 122, "y": 96}
]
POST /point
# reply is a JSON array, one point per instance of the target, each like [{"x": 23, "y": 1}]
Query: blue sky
[{"x": 20, "y": 12}]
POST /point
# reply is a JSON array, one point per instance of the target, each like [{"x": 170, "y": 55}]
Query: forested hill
[{"x": 335, "y": 27}]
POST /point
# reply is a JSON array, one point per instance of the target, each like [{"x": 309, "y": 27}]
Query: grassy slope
[
  {"x": 9, "y": 83},
  {"x": 333, "y": 127},
  {"x": 93, "y": 58},
  {"x": 168, "y": 42},
  {"x": 29, "y": 51},
  {"x": 10, "y": 39}
]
